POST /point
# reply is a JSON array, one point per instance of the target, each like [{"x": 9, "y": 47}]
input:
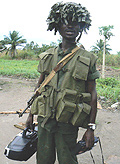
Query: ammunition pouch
[
  {"x": 66, "y": 105},
  {"x": 81, "y": 115},
  {"x": 43, "y": 104},
  {"x": 70, "y": 111},
  {"x": 37, "y": 107}
]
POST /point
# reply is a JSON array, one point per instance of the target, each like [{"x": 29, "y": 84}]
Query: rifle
[
  {"x": 29, "y": 103},
  {"x": 58, "y": 67}
]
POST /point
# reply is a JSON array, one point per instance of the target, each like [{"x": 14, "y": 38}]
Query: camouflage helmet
[{"x": 63, "y": 12}]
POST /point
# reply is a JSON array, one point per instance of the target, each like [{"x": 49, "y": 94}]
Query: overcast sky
[{"x": 29, "y": 18}]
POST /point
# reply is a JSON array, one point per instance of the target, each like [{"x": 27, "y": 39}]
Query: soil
[{"x": 15, "y": 92}]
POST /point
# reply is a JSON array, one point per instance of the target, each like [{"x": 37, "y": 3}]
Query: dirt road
[{"x": 14, "y": 94}]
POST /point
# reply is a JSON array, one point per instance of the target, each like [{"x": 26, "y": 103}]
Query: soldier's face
[{"x": 70, "y": 30}]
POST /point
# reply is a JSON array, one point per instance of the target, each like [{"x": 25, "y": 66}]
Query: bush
[
  {"x": 112, "y": 82},
  {"x": 99, "y": 55},
  {"x": 25, "y": 54},
  {"x": 113, "y": 60},
  {"x": 109, "y": 88},
  {"x": 21, "y": 54},
  {"x": 110, "y": 60}
]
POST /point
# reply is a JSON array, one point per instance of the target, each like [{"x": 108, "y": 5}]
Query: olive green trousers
[{"x": 56, "y": 137}]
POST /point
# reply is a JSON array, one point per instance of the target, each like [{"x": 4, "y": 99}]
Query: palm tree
[
  {"x": 10, "y": 43},
  {"x": 2, "y": 47},
  {"x": 99, "y": 47},
  {"x": 106, "y": 32}
]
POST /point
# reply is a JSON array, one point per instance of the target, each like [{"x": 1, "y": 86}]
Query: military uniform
[{"x": 63, "y": 105}]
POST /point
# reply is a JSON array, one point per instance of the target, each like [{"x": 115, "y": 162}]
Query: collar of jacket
[{"x": 63, "y": 53}]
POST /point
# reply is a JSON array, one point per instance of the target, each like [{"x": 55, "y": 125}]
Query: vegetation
[
  {"x": 19, "y": 68},
  {"x": 12, "y": 41},
  {"x": 36, "y": 49},
  {"x": 109, "y": 88},
  {"x": 106, "y": 32},
  {"x": 98, "y": 48},
  {"x": 111, "y": 60}
]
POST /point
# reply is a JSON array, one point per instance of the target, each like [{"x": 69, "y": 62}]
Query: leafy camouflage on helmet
[{"x": 63, "y": 12}]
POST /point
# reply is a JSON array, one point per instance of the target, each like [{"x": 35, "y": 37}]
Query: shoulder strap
[{"x": 58, "y": 67}]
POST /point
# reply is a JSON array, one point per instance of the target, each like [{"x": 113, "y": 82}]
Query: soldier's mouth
[{"x": 70, "y": 32}]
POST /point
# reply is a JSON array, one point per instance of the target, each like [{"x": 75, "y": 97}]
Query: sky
[{"x": 28, "y": 17}]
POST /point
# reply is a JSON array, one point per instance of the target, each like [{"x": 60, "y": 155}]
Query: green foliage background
[
  {"x": 110, "y": 60},
  {"x": 109, "y": 88},
  {"x": 19, "y": 68}
]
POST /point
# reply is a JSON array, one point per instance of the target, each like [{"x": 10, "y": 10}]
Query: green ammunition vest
[{"x": 70, "y": 102}]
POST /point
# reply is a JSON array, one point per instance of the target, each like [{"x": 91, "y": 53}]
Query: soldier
[{"x": 69, "y": 100}]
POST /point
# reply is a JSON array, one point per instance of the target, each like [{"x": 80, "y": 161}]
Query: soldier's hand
[
  {"x": 88, "y": 137},
  {"x": 29, "y": 122}
]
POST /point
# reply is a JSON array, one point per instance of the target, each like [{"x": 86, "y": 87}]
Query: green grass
[
  {"x": 109, "y": 88},
  {"x": 20, "y": 68}
]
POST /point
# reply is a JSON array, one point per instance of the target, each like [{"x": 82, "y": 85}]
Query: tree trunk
[
  {"x": 103, "y": 66},
  {"x": 13, "y": 52}
]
